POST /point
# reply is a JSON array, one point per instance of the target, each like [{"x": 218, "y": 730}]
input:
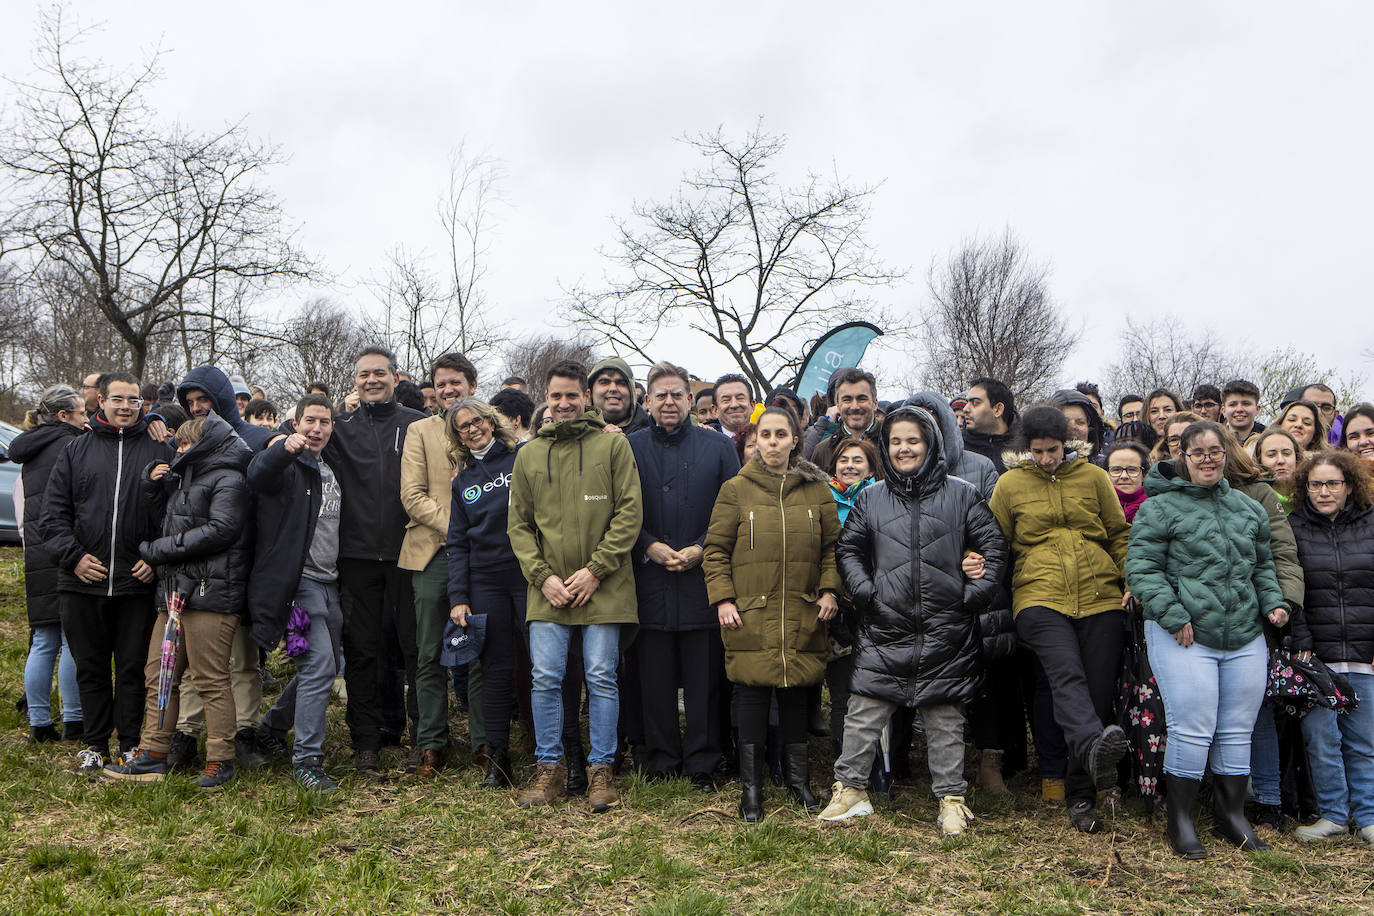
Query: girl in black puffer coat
[
  {"x": 204, "y": 553},
  {"x": 919, "y": 643}
]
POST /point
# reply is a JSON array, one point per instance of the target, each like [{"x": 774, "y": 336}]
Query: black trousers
[
  {"x": 751, "y": 713},
  {"x": 400, "y": 657},
  {"x": 501, "y": 595},
  {"x": 100, "y": 631},
  {"x": 1082, "y": 659},
  {"x": 997, "y": 718},
  {"x": 365, "y": 588},
  {"x": 692, "y": 660},
  {"x": 1050, "y": 747}
]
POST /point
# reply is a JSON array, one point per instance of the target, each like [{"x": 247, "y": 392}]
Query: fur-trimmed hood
[{"x": 1073, "y": 449}]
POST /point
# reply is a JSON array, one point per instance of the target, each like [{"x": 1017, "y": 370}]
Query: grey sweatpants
[{"x": 863, "y": 723}]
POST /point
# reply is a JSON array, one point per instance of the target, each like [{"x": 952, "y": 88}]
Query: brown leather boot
[
  {"x": 431, "y": 762},
  {"x": 546, "y": 788},
  {"x": 990, "y": 772},
  {"x": 601, "y": 789}
]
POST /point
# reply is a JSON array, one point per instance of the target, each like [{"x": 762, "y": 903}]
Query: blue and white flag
[{"x": 839, "y": 348}]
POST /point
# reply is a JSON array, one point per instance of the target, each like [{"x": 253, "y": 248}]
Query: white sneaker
[
  {"x": 1367, "y": 835},
  {"x": 1321, "y": 829},
  {"x": 846, "y": 803},
  {"x": 954, "y": 815}
]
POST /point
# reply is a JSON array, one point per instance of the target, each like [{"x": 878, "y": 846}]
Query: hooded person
[
  {"x": 616, "y": 398},
  {"x": 919, "y": 642},
  {"x": 1088, "y": 427},
  {"x": 216, "y": 384},
  {"x": 960, "y": 462}
]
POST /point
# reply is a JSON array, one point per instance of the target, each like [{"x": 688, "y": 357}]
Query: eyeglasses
[
  {"x": 1125, "y": 472},
  {"x": 1211, "y": 454},
  {"x": 470, "y": 425},
  {"x": 1316, "y": 486},
  {"x": 1327, "y": 408},
  {"x": 120, "y": 401},
  {"x": 1204, "y": 405}
]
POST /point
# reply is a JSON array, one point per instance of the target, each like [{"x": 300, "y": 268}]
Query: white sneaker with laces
[
  {"x": 90, "y": 761},
  {"x": 954, "y": 815}
]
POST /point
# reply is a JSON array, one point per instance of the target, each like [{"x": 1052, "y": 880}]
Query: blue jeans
[
  {"x": 1340, "y": 750},
  {"x": 1264, "y": 759},
  {"x": 1211, "y": 700},
  {"x": 305, "y": 700},
  {"x": 44, "y": 648},
  {"x": 549, "y": 659}
]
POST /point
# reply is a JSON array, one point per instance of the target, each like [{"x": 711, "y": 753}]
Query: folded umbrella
[{"x": 171, "y": 645}]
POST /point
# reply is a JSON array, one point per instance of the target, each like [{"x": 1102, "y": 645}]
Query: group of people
[{"x": 703, "y": 563}]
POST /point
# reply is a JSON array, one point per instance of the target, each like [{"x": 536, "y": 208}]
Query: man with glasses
[
  {"x": 94, "y": 518},
  {"x": 426, "y": 478},
  {"x": 1206, "y": 402},
  {"x": 1325, "y": 400},
  {"x": 1130, "y": 409}
]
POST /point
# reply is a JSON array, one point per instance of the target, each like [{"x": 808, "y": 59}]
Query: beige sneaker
[
  {"x": 601, "y": 788},
  {"x": 546, "y": 787},
  {"x": 845, "y": 803},
  {"x": 954, "y": 815}
]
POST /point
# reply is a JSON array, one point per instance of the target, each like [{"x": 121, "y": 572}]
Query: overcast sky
[{"x": 1207, "y": 161}]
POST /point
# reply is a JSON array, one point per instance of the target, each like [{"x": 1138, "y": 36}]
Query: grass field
[{"x": 73, "y": 846}]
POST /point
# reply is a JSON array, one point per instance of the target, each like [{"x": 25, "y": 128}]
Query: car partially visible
[{"x": 9, "y": 476}]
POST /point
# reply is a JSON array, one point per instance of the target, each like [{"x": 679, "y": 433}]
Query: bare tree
[
  {"x": 148, "y": 215},
  {"x": 755, "y": 267},
  {"x": 431, "y": 311},
  {"x": 533, "y": 357},
  {"x": 1164, "y": 353},
  {"x": 319, "y": 343},
  {"x": 991, "y": 314}
]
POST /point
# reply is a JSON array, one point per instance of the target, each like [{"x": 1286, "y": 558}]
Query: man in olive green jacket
[{"x": 575, "y": 514}]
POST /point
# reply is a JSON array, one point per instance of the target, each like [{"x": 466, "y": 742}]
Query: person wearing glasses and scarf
[{"x": 1201, "y": 564}]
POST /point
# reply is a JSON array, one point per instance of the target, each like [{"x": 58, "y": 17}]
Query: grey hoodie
[{"x": 963, "y": 464}]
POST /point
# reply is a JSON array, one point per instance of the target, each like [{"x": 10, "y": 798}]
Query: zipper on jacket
[
  {"x": 1340, "y": 591},
  {"x": 810, "y": 521},
  {"x": 782, "y": 610},
  {"x": 114, "y": 516},
  {"x": 751, "y": 529},
  {"x": 202, "y": 588}
]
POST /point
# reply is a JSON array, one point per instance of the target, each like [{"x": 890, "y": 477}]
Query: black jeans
[
  {"x": 997, "y": 718},
  {"x": 751, "y": 713},
  {"x": 501, "y": 595},
  {"x": 101, "y": 629},
  {"x": 1082, "y": 659},
  {"x": 365, "y": 588},
  {"x": 691, "y": 660},
  {"x": 400, "y": 656}
]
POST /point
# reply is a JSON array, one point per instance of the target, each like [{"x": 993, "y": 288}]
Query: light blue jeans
[
  {"x": 549, "y": 644},
  {"x": 305, "y": 701},
  {"x": 1340, "y": 750},
  {"x": 1211, "y": 700},
  {"x": 49, "y": 646}
]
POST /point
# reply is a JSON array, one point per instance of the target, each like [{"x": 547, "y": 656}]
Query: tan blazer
[{"x": 426, "y": 492}]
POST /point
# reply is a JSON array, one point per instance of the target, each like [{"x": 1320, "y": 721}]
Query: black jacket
[
  {"x": 477, "y": 537},
  {"x": 217, "y": 385},
  {"x": 94, "y": 504},
  {"x": 37, "y": 450},
  {"x": 365, "y": 453},
  {"x": 287, "y": 488},
  {"x": 1337, "y": 555},
  {"x": 680, "y": 475},
  {"x": 206, "y": 546},
  {"x": 919, "y": 641},
  {"x": 990, "y": 445}
]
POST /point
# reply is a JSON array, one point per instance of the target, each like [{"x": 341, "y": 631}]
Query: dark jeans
[
  {"x": 751, "y": 713},
  {"x": 1082, "y": 658},
  {"x": 399, "y": 661},
  {"x": 366, "y": 587},
  {"x": 689, "y": 660},
  {"x": 501, "y": 594},
  {"x": 99, "y": 630}
]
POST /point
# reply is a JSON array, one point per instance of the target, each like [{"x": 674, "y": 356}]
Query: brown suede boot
[
  {"x": 546, "y": 788},
  {"x": 601, "y": 789},
  {"x": 990, "y": 772},
  {"x": 431, "y": 762}
]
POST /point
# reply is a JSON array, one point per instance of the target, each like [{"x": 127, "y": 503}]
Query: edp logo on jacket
[{"x": 474, "y": 492}]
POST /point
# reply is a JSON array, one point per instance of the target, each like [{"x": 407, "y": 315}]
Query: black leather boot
[
  {"x": 577, "y": 767},
  {"x": 796, "y": 770},
  {"x": 1228, "y": 812},
  {"x": 498, "y": 770},
  {"x": 751, "y": 783},
  {"x": 1179, "y": 828},
  {"x": 774, "y": 750}
]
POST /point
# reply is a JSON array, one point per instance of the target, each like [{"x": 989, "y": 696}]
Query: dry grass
[{"x": 263, "y": 846}]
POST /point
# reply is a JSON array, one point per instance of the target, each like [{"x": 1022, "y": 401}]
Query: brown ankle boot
[
  {"x": 546, "y": 788},
  {"x": 601, "y": 788},
  {"x": 990, "y": 772},
  {"x": 431, "y": 762}
]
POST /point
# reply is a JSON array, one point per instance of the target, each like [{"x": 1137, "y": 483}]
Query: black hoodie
[
  {"x": 37, "y": 450},
  {"x": 93, "y": 505},
  {"x": 217, "y": 385}
]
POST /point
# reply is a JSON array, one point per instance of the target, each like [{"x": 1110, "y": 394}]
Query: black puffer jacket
[
  {"x": 900, "y": 554},
  {"x": 37, "y": 450},
  {"x": 206, "y": 546},
  {"x": 1337, "y": 555}
]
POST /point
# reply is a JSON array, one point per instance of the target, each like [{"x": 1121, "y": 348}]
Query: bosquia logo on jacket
[
  {"x": 588, "y": 497},
  {"x": 474, "y": 492}
]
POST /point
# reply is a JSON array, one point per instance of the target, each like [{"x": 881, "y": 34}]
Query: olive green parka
[{"x": 770, "y": 548}]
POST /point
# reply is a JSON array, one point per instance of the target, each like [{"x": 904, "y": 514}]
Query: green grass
[{"x": 263, "y": 846}]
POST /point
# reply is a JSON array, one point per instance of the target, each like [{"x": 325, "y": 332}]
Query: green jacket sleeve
[
  {"x": 1263, "y": 575},
  {"x": 627, "y": 516},
  {"x": 520, "y": 523},
  {"x": 1285, "y": 550},
  {"x": 830, "y": 533},
  {"x": 720, "y": 545},
  {"x": 1001, "y": 506},
  {"x": 1145, "y": 567}
]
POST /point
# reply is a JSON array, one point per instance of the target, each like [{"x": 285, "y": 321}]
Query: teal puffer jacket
[{"x": 1201, "y": 555}]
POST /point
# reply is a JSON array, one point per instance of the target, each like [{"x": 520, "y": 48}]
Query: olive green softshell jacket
[
  {"x": 575, "y": 501},
  {"x": 1067, "y": 534},
  {"x": 771, "y": 549}
]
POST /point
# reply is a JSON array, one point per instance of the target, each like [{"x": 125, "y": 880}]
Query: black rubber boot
[
  {"x": 577, "y": 767},
  {"x": 1228, "y": 812},
  {"x": 498, "y": 770},
  {"x": 72, "y": 731},
  {"x": 796, "y": 774},
  {"x": 1179, "y": 828},
  {"x": 751, "y": 783}
]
